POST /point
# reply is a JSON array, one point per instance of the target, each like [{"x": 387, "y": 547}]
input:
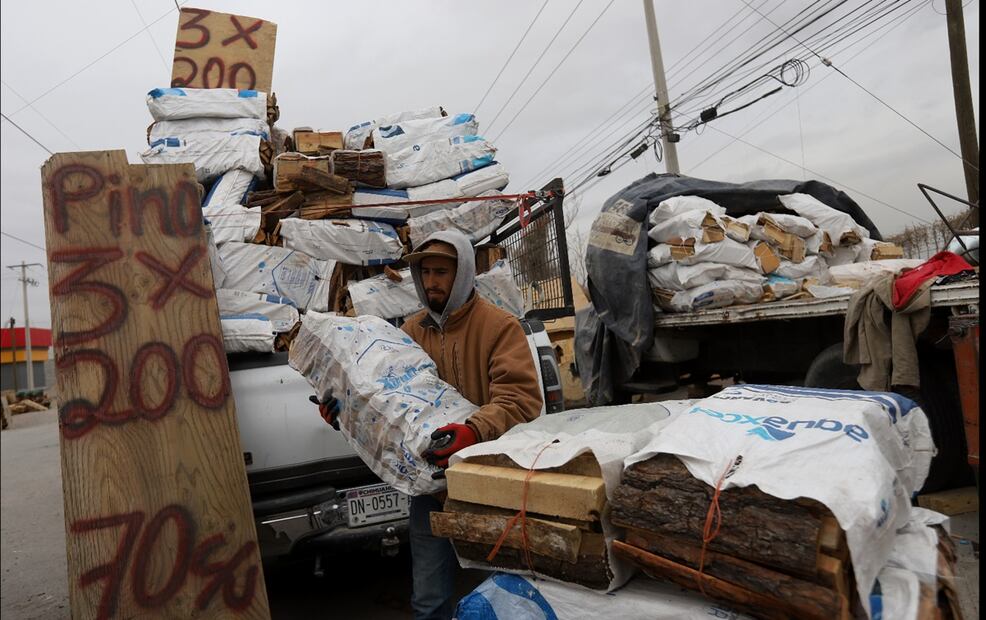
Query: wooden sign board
[
  {"x": 157, "y": 509},
  {"x": 219, "y": 50}
]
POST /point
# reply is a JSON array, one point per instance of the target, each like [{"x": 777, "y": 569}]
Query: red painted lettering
[
  {"x": 62, "y": 196},
  {"x": 193, "y": 24},
  {"x": 176, "y": 278},
  {"x": 170, "y": 360},
  {"x": 178, "y": 81},
  {"x": 234, "y": 73},
  {"x": 179, "y": 569},
  {"x": 114, "y": 571},
  {"x": 92, "y": 259},
  {"x": 243, "y": 34},
  {"x": 188, "y": 358}
]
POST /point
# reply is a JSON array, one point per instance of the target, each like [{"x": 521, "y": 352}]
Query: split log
[
  {"x": 33, "y": 406},
  {"x": 659, "y": 495},
  {"x": 325, "y": 180},
  {"x": 365, "y": 168},
  {"x": 552, "y": 540},
  {"x": 453, "y": 505},
  {"x": 590, "y": 570},
  {"x": 811, "y": 600},
  {"x": 273, "y": 213},
  {"x": 564, "y": 495},
  {"x": 763, "y": 606}
]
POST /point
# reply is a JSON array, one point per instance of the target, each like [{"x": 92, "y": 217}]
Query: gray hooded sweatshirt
[{"x": 465, "y": 274}]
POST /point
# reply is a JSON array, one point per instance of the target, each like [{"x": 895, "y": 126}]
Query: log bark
[
  {"x": 365, "y": 168},
  {"x": 659, "y": 495},
  {"x": 811, "y": 600},
  {"x": 761, "y": 605},
  {"x": 590, "y": 570}
]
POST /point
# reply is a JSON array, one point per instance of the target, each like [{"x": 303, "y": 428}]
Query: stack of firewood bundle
[
  {"x": 777, "y": 558},
  {"x": 563, "y": 508},
  {"x": 771, "y": 557}
]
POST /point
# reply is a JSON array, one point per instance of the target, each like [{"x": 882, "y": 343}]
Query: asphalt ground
[{"x": 33, "y": 562}]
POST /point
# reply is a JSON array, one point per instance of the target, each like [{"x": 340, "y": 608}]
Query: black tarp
[{"x": 613, "y": 334}]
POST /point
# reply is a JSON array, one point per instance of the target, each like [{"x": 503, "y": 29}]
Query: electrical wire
[
  {"x": 509, "y": 58},
  {"x": 534, "y": 66},
  {"x": 110, "y": 51},
  {"x": 43, "y": 117},
  {"x": 140, "y": 15},
  {"x": 24, "y": 131},
  {"x": 16, "y": 238},
  {"x": 553, "y": 71},
  {"x": 828, "y": 63}
]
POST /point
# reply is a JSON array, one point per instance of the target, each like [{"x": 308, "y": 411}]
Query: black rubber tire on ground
[{"x": 939, "y": 398}]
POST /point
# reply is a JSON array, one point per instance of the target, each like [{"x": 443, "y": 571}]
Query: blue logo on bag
[{"x": 776, "y": 428}]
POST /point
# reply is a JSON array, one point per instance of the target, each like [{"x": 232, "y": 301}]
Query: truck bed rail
[{"x": 946, "y": 295}]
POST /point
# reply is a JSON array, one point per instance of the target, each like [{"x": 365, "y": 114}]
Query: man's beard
[{"x": 437, "y": 306}]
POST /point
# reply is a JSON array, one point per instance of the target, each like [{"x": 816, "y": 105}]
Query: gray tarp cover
[{"x": 613, "y": 333}]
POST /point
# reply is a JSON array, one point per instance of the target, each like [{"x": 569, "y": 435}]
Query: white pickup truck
[{"x": 311, "y": 494}]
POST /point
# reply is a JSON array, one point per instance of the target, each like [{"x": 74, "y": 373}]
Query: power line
[
  {"x": 16, "y": 238},
  {"x": 509, "y": 58},
  {"x": 110, "y": 51},
  {"x": 828, "y": 63},
  {"x": 536, "y": 62},
  {"x": 43, "y": 117},
  {"x": 558, "y": 66},
  {"x": 151, "y": 36},
  {"x": 819, "y": 174},
  {"x": 24, "y": 131}
]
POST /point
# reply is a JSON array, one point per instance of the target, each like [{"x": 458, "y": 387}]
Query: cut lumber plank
[
  {"x": 660, "y": 495},
  {"x": 553, "y": 540},
  {"x": 273, "y": 213},
  {"x": 590, "y": 570},
  {"x": 582, "y": 465},
  {"x": 563, "y": 495},
  {"x": 152, "y": 469},
  {"x": 209, "y": 42},
  {"x": 33, "y": 406},
  {"x": 763, "y": 606},
  {"x": 811, "y": 599},
  {"x": 952, "y": 501},
  {"x": 325, "y": 180}
]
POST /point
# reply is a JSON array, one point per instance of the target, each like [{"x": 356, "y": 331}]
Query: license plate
[{"x": 376, "y": 504}]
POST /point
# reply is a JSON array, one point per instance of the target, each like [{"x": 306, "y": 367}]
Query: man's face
[{"x": 437, "y": 277}]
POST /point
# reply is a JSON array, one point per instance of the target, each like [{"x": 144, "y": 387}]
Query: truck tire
[
  {"x": 828, "y": 370},
  {"x": 938, "y": 398}
]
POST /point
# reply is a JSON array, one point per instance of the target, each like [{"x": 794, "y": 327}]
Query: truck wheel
[
  {"x": 828, "y": 370},
  {"x": 938, "y": 398}
]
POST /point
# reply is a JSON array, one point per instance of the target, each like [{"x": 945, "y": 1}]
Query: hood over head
[{"x": 465, "y": 274}]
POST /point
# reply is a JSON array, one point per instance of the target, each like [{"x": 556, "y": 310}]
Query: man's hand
[
  {"x": 448, "y": 440},
  {"x": 329, "y": 410}
]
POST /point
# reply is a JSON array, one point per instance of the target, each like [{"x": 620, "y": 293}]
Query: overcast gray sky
[{"x": 339, "y": 63}]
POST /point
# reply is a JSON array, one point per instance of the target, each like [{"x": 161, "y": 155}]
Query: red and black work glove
[
  {"x": 329, "y": 410},
  {"x": 446, "y": 441}
]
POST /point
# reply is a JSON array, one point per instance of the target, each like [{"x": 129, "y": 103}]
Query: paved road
[{"x": 32, "y": 549}]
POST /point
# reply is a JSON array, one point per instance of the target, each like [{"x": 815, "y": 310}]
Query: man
[{"x": 480, "y": 350}]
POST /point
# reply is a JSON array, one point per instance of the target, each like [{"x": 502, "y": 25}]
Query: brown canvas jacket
[{"x": 483, "y": 352}]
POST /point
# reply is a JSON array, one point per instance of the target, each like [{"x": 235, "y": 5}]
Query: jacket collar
[{"x": 454, "y": 318}]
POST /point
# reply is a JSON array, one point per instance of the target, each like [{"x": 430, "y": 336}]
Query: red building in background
[{"x": 14, "y": 357}]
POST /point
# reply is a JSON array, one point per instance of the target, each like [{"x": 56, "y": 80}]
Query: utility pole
[
  {"x": 28, "y": 360},
  {"x": 668, "y": 137},
  {"x": 968, "y": 139}
]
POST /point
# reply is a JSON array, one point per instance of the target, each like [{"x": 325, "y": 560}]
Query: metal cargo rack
[{"x": 533, "y": 236}]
